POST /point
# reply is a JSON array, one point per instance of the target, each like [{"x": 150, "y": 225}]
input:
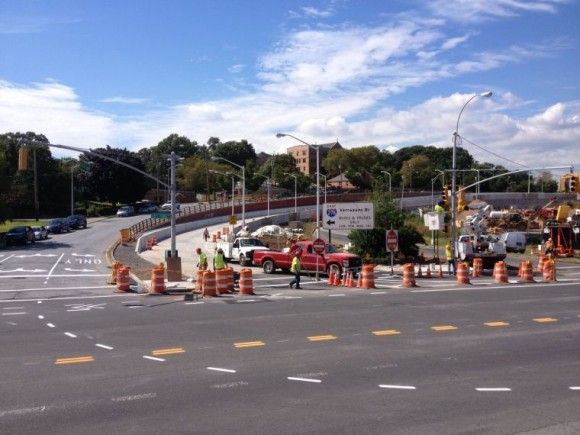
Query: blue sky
[{"x": 388, "y": 73}]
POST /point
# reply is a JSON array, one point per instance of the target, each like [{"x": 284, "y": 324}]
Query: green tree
[{"x": 237, "y": 152}]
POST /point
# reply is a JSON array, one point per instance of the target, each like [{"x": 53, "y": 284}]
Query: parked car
[
  {"x": 146, "y": 207},
  {"x": 76, "y": 221},
  {"x": 167, "y": 206},
  {"x": 20, "y": 235},
  {"x": 58, "y": 225},
  {"x": 126, "y": 211},
  {"x": 40, "y": 233}
]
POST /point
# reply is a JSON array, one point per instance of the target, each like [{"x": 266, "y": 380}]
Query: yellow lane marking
[
  {"x": 387, "y": 332},
  {"x": 249, "y": 344},
  {"x": 76, "y": 360},
  {"x": 494, "y": 324},
  {"x": 443, "y": 328},
  {"x": 321, "y": 337},
  {"x": 170, "y": 351},
  {"x": 545, "y": 320}
]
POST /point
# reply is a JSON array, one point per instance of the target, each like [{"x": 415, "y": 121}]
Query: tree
[
  {"x": 387, "y": 215},
  {"x": 417, "y": 170},
  {"x": 337, "y": 161},
  {"x": 237, "y": 152}
]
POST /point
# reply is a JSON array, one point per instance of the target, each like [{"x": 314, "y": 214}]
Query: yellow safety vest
[{"x": 219, "y": 262}]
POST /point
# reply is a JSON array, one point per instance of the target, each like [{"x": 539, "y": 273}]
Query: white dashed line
[
  {"x": 575, "y": 388},
  {"x": 378, "y": 293},
  {"x": 135, "y": 397},
  {"x": 19, "y": 313},
  {"x": 217, "y": 369},
  {"x": 50, "y": 325},
  {"x": 13, "y": 308},
  {"x": 40, "y": 316},
  {"x": 495, "y": 389},
  {"x": 70, "y": 334},
  {"x": 246, "y": 300},
  {"x": 336, "y": 295},
  {"x": 398, "y": 387},
  {"x": 194, "y": 303},
  {"x": 103, "y": 346},
  {"x": 315, "y": 381},
  {"x": 153, "y": 358}
]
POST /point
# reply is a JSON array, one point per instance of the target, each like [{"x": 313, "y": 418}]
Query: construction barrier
[
  {"x": 463, "y": 273},
  {"x": 428, "y": 273},
  {"x": 114, "y": 270},
  {"x": 123, "y": 279},
  {"x": 477, "y": 267},
  {"x": 125, "y": 236},
  {"x": 440, "y": 273},
  {"x": 334, "y": 277},
  {"x": 219, "y": 235},
  {"x": 500, "y": 272},
  {"x": 549, "y": 272},
  {"x": 230, "y": 280},
  {"x": 222, "y": 280},
  {"x": 246, "y": 282},
  {"x": 199, "y": 281},
  {"x": 208, "y": 286},
  {"x": 349, "y": 279},
  {"x": 409, "y": 275},
  {"x": 527, "y": 269},
  {"x": 368, "y": 276},
  {"x": 213, "y": 238},
  {"x": 541, "y": 262},
  {"x": 157, "y": 281}
]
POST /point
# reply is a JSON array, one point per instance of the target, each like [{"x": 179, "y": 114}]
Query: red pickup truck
[{"x": 331, "y": 259}]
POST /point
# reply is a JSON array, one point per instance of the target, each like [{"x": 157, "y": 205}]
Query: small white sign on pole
[
  {"x": 434, "y": 221},
  {"x": 348, "y": 216}
]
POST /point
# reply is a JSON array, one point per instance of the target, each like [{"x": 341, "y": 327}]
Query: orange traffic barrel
[
  {"x": 428, "y": 273},
  {"x": 222, "y": 280},
  {"x": 157, "y": 281},
  {"x": 123, "y": 279},
  {"x": 230, "y": 280},
  {"x": 199, "y": 281},
  {"x": 246, "y": 282},
  {"x": 541, "y": 262},
  {"x": 500, "y": 272},
  {"x": 114, "y": 270},
  {"x": 463, "y": 273},
  {"x": 368, "y": 276},
  {"x": 213, "y": 238},
  {"x": 409, "y": 275},
  {"x": 549, "y": 272},
  {"x": 440, "y": 273},
  {"x": 219, "y": 235},
  {"x": 527, "y": 272},
  {"x": 477, "y": 267},
  {"x": 209, "y": 287}
]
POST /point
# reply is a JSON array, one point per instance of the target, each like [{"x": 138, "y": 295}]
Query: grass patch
[{"x": 22, "y": 222}]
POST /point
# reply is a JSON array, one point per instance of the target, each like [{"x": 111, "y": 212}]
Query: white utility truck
[{"x": 242, "y": 249}]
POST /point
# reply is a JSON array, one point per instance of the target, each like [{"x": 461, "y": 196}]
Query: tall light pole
[
  {"x": 454, "y": 168},
  {"x": 295, "y": 190},
  {"x": 228, "y": 174},
  {"x": 72, "y": 190},
  {"x": 243, "y": 169},
  {"x": 389, "y": 174},
  {"x": 268, "y": 185},
  {"x": 279, "y": 135},
  {"x": 325, "y": 186}
]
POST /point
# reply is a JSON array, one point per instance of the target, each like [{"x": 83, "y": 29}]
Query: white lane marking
[
  {"x": 336, "y": 295},
  {"x": 12, "y": 323},
  {"x": 23, "y": 411},
  {"x": 67, "y": 298},
  {"x": 398, "y": 387},
  {"x": 246, "y": 300},
  {"x": 153, "y": 358},
  {"x": 50, "y": 325},
  {"x": 493, "y": 389},
  {"x": 230, "y": 384},
  {"x": 217, "y": 369},
  {"x": 74, "y": 254},
  {"x": 53, "y": 267},
  {"x": 20, "y": 269},
  {"x": 70, "y": 334},
  {"x": 194, "y": 303},
  {"x": 103, "y": 346},
  {"x": 378, "y": 293},
  {"x": 59, "y": 275},
  {"x": 13, "y": 308},
  {"x": 292, "y": 297},
  {"x": 7, "y": 258},
  {"x": 575, "y": 388},
  {"x": 286, "y": 285},
  {"x": 68, "y": 269},
  {"x": 85, "y": 307},
  {"x": 134, "y": 397},
  {"x": 316, "y": 381},
  {"x": 19, "y": 313},
  {"x": 40, "y": 316},
  {"x": 274, "y": 278},
  {"x": 35, "y": 255},
  {"x": 477, "y": 287}
]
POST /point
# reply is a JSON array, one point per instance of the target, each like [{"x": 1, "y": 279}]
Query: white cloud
[
  {"x": 124, "y": 100},
  {"x": 237, "y": 68},
  {"x": 311, "y": 11}
]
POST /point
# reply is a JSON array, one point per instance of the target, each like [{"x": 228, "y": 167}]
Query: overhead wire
[{"x": 492, "y": 153}]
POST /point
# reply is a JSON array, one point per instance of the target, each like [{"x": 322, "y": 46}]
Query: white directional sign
[{"x": 348, "y": 216}]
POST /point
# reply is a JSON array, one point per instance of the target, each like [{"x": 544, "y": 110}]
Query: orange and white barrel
[
  {"x": 246, "y": 282},
  {"x": 368, "y": 276},
  {"x": 199, "y": 281},
  {"x": 409, "y": 275},
  {"x": 209, "y": 287},
  {"x": 541, "y": 261},
  {"x": 527, "y": 272},
  {"x": 477, "y": 267},
  {"x": 123, "y": 279},
  {"x": 500, "y": 272},
  {"x": 157, "y": 281},
  {"x": 548, "y": 273},
  {"x": 221, "y": 280},
  {"x": 462, "y": 273},
  {"x": 214, "y": 238}
]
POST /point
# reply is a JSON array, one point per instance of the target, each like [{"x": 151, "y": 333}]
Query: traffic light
[
  {"x": 22, "y": 159},
  {"x": 445, "y": 196},
  {"x": 572, "y": 183}
]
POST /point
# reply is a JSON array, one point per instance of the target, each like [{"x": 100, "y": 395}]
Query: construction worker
[
  {"x": 295, "y": 269},
  {"x": 439, "y": 208},
  {"x": 549, "y": 247},
  {"x": 201, "y": 260},
  {"x": 219, "y": 260},
  {"x": 450, "y": 259}
]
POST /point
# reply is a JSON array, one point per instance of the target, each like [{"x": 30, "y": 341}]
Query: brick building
[{"x": 305, "y": 156}]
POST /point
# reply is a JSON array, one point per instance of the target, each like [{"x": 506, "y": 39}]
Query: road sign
[
  {"x": 348, "y": 216},
  {"x": 434, "y": 220},
  {"x": 319, "y": 246},
  {"x": 392, "y": 240},
  {"x": 161, "y": 215},
  {"x": 233, "y": 219}
]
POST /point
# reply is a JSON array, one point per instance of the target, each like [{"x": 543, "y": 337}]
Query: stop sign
[
  {"x": 318, "y": 246},
  {"x": 392, "y": 240}
]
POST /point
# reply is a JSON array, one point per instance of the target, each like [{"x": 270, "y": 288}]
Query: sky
[{"x": 390, "y": 73}]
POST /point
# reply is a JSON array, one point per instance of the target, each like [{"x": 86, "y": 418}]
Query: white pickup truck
[{"x": 242, "y": 249}]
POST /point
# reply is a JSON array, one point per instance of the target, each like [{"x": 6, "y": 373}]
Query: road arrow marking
[
  {"x": 20, "y": 269},
  {"x": 78, "y": 270}
]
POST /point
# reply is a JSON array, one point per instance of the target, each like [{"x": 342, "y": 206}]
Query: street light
[
  {"x": 325, "y": 186},
  {"x": 295, "y": 190},
  {"x": 243, "y": 185},
  {"x": 268, "y": 184},
  {"x": 279, "y": 135},
  {"x": 454, "y": 168},
  {"x": 389, "y": 174},
  {"x": 233, "y": 184}
]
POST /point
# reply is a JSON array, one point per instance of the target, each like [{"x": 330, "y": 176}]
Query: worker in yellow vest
[
  {"x": 295, "y": 268},
  {"x": 219, "y": 260},
  {"x": 201, "y": 259}
]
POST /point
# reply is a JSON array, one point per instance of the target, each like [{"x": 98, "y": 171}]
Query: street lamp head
[
  {"x": 279, "y": 135},
  {"x": 486, "y": 94}
]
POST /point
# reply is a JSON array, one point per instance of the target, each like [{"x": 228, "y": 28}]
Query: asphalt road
[{"x": 438, "y": 358}]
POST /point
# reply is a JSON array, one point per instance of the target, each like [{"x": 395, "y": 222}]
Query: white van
[{"x": 514, "y": 242}]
